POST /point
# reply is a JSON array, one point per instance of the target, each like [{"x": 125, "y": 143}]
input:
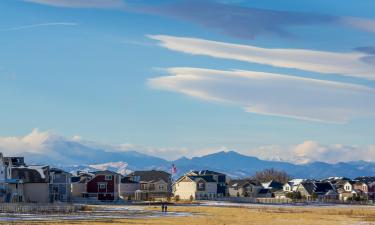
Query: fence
[
  {"x": 38, "y": 208},
  {"x": 290, "y": 201}
]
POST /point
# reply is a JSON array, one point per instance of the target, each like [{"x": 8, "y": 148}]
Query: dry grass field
[{"x": 208, "y": 215}]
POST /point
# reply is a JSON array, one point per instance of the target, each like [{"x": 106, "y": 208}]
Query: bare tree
[{"x": 272, "y": 174}]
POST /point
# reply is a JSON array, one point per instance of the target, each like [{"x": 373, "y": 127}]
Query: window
[
  {"x": 108, "y": 177},
  {"x": 102, "y": 186},
  {"x": 161, "y": 187},
  {"x": 143, "y": 186}
]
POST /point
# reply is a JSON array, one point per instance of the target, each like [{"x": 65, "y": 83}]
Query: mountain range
[{"x": 72, "y": 155}]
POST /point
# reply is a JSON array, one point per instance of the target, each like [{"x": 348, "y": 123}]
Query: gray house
[{"x": 59, "y": 186}]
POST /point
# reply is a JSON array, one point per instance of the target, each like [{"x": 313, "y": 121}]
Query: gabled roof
[
  {"x": 206, "y": 172},
  {"x": 31, "y": 174},
  {"x": 317, "y": 187},
  {"x": 128, "y": 180},
  {"x": 151, "y": 176},
  {"x": 243, "y": 183},
  {"x": 365, "y": 179},
  {"x": 205, "y": 178},
  {"x": 309, "y": 187},
  {"x": 323, "y": 187},
  {"x": 273, "y": 185},
  {"x": 104, "y": 172}
]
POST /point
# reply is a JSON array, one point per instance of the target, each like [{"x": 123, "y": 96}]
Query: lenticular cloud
[{"x": 273, "y": 94}]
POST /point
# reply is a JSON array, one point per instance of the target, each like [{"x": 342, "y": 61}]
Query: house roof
[
  {"x": 104, "y": 172},
  {"x": 323, "y": 187},
  {"x": 273, "y": 185},
  {"x": 205, "y": 178},
  {"x": 57, "y": 170},
  {"x": 128, "y": 180},
  {"x": 365, "y": 179},
  {"x": 264, "y": 191},
  {"x": 206, "y": 172},
  {"x": 31, "y": 174},
  {"x": 309, "y": 187},
  {"x": 243, "y": 182},
  {"x": 151, "y": 175},
  {"x": 317, "y": 187}
]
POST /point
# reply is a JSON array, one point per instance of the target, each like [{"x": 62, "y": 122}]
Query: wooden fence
[{"x": 38, "y": 208}]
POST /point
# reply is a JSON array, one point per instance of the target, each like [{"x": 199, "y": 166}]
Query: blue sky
[{"x": 91, "y": 69}]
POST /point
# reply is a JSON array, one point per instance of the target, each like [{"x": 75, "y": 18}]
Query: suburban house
[
  {"x": 273, "y": 186},
  {"x": 23, "y": 183},
  {"x": 195, "y": 187},
  {"x": 59, "y": 185},
  {"x": 154, "y": 184},
  {"x": 367, "y": 186},
  {"x": 265, "y": 193},
  {"x": 345, "y": 189},
  {"x": 244, "y": 188},
  {"x": 79, "y": 184},
  {"x": 317, "y": 190},
  {"x": 292, "y": 185},
  {"x": 128, "y": 188},
  {"x": 104, "y": 186},
  {"x": 34, "y": 181},
  {"x": 220, "y": 179}
]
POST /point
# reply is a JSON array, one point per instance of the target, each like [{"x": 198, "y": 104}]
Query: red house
[{"x": 104, "y": 186}]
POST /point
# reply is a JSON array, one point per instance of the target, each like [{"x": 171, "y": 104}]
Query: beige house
[
  {"x": 78, "y": 184},
  {"x": 244, "y": 188},
  {"x": 153, "y": 184},
  {"x": 195, "y": 187},
  {"x": 128, "y": 188}
]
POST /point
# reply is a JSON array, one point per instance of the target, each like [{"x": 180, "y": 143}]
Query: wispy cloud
[
  {"x": 348, "y": 64},
  {"x": 273, "y": 94},
  {"x": 106, "y": 4},
  {"x": 246, "y": 22},
  {"x": 39, "y": 25}
]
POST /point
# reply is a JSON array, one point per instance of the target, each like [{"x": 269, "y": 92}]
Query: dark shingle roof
[
  {"x": 207, "y": 172},
  {"x": 151, "y": 175},
  {"x": 128, "y": 180},
  {"x": 309, "y": 187},
  {"x": 365, "y": 179},
  {"x": 205, "y": 178},
  {"x": 243, "y": 182},
  {"x": 323, "y": 187},
  {"x": 264, "y": 191},
  {"x": 31, "y": 175}
]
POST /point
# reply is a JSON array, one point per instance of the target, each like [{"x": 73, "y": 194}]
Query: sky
[{"x": 274, "y": 79}]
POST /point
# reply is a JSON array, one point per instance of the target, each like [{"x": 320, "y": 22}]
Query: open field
[{"x": 210, "y": 215}]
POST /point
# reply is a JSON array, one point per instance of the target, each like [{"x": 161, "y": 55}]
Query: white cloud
[
  {"x": 273, "y": 94},
  {"x": 347, "y": 64},
  {"x": 109, "y": 4},
  {"x": 40, "y": 25},
  {"x": 35, "y": 142}
]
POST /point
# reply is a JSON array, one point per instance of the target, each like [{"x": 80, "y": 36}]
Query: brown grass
[{"x": 252, "y": 216}]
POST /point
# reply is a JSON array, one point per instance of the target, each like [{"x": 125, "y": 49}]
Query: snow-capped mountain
[{"x": 73, "y": 155}]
